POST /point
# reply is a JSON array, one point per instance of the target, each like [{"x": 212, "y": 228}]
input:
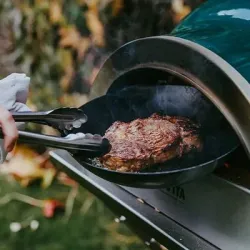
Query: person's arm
[
  {"x": 9, "y": 129},
  {"x": 14, "y": 91}
]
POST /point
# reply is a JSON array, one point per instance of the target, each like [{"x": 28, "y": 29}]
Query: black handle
[
  {"x": 62, "y": 119},
  {"x": 29, "y": 116},
  {"x": 86, "y": 145}
]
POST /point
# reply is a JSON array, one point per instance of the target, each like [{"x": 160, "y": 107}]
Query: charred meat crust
[{"x": 145, "y": 142}]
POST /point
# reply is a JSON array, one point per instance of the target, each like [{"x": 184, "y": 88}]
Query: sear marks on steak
[
  {"x": 145, "y": 142},
  {"x": 189, "y": 131}
]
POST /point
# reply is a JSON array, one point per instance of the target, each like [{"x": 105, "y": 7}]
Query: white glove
[{"x": 13, "y": 96}]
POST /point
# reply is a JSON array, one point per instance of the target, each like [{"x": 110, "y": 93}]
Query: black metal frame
[{"x": 156, "y": 229}]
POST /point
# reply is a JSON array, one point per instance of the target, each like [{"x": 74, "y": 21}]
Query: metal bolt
[
  {"x": 157, "y": 210},
  {"x": 140, "y": 200}
]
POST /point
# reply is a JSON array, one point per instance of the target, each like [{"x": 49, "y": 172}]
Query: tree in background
[{"x": 62, "y": 44}]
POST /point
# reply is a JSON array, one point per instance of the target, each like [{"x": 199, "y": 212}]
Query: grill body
[{"x": 222, "y": 27}]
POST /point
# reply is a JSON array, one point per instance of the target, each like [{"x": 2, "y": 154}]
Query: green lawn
[{"x": 91, "y": 225}]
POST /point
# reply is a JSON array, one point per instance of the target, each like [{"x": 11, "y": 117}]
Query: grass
[{"x": 90, "y": 226}]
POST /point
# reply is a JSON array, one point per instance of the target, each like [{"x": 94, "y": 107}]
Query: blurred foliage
[
  {"x": 62, "y": 44},
  {"x": 75, "y": 212},
  {"x": 91, "y": 225},
  {"x": 50, "y": 38}
]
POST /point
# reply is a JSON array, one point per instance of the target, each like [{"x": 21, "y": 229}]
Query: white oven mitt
[{"x": 13, "y": 96}]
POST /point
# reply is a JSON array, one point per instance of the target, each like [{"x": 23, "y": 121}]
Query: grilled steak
[{"x": 145, "y": 142}]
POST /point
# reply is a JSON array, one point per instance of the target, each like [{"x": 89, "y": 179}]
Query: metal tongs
[{"x": 64, "y": 120}]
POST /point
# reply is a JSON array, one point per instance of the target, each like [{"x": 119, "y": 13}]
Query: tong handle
[
  {"x": 62, "y": 119},
  {"x": 29, "y": 116},
  {"x": 46, "y": 116},
  {"x": 88, "y": 146}
]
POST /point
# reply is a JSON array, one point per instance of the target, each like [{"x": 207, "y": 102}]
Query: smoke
[{"x": 173, "y": 100}]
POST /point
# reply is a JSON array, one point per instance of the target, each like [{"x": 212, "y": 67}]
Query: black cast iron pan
[{"x": 142, "y": 101}]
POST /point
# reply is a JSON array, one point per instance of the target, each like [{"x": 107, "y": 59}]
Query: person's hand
[{"x": 9, "y": 129}]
